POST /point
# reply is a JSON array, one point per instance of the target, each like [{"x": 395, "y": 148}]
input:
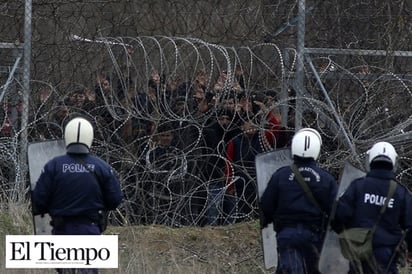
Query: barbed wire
[{"x": 208, "y": 88}]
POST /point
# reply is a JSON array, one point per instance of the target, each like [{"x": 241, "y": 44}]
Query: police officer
[
  {"x": 299, "y": 223},
  {"x": 360, "y": 206},
  {"x": 75, "y": 188}
]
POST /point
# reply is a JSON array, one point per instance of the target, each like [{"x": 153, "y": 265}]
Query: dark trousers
[
  {"x": 298, "y": 250},
  {"x": 78, "y": 271},
  {"x": 383, "y": 256},
  {"x": 77, "y": 228}
]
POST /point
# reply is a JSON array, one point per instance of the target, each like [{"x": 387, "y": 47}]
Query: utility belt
[
  {"x": 100, "y": 219},
  {"x": 59, "y": 221}
]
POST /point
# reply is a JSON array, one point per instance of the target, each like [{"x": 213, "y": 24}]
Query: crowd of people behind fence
[{"x": 184, "y": 149}]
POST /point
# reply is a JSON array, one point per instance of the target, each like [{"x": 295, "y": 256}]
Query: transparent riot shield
[
  {"x": 266, "y": 164},
  {"x": 38, "y": 154},
  {"x": 331, "y": 259}
]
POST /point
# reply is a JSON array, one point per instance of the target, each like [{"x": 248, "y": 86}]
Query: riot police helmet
[
  {"x": 78, "y": 136},
  {"x": 306, "y": 143},
  {"x": 381, "y": 153}
]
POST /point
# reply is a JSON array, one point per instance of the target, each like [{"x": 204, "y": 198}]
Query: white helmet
[
  {"x": 78, "y": 135},
  {"x": 383, "y": 152},
  {"x": 306, "y": 143}
]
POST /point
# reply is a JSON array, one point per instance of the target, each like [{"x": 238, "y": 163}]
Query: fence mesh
[{"x": 170, "y": 87}]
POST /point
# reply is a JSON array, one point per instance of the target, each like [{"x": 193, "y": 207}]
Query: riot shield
[
  {"x": 331, "y": 259},
  {"x": 266, "y": 164},
  {"x": 38, "y": 154}
]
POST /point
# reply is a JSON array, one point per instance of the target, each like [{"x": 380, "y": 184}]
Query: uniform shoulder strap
[
  {"x": 305, "y": 186},
  {"x": 391, "y": 191}
]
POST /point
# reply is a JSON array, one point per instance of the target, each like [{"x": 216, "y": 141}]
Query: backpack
[{"x": 356, "y": 243}]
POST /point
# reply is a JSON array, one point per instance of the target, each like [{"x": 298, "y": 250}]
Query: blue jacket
[
  {"x": 285, "y": 203},
  {"x": 66, "y": 188},
  {"x": 361, "y": 203}
]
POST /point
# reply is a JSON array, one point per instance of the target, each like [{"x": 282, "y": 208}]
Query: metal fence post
[
  {"x": 300, "y": 64},
  {"x": 26, "y": 93}
]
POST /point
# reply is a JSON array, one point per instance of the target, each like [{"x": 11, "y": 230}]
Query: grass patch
[{"x": 161, "y": 249}]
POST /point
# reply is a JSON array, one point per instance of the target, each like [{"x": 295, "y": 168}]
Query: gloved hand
[{"x": 263, "y": 222}]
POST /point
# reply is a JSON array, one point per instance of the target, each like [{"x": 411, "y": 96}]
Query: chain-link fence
[{"x": 173, "y": 90}]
